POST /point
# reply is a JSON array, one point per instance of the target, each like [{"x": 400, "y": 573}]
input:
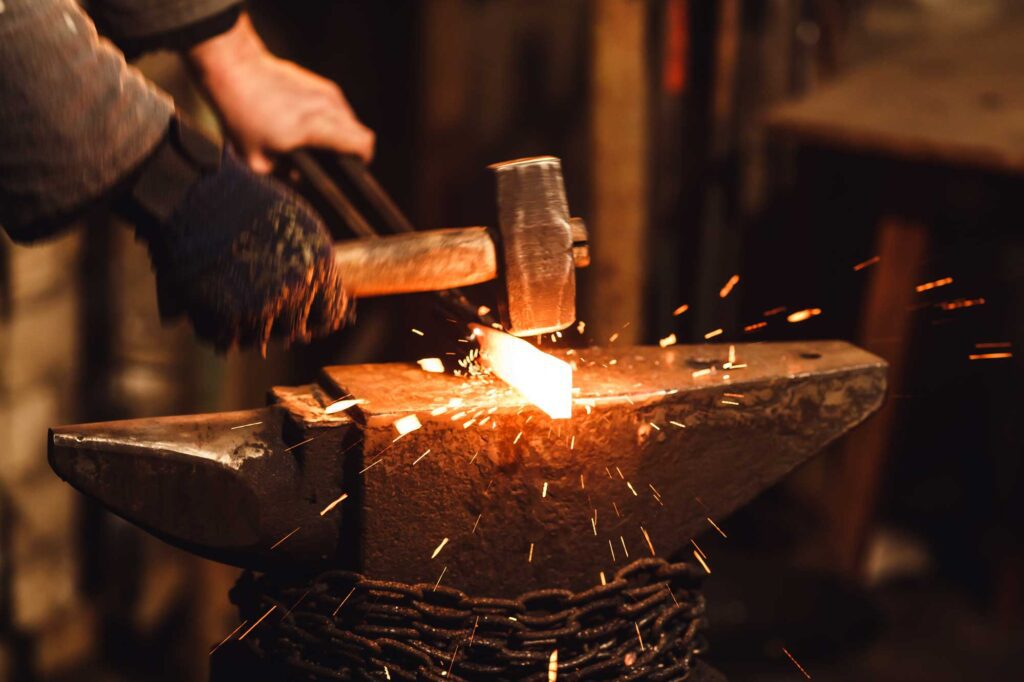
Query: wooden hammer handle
[{"x": 417, "y": 261}]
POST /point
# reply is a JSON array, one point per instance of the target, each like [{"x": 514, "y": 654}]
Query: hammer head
[{"x": 542, "y": 246}]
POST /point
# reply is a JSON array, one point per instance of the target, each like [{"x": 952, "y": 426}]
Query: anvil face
[{"x": 519, "y": 501}]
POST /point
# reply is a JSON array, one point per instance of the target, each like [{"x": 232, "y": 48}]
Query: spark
[
  {"x": 637, "y": 626},
  {"x": 580, "y": 327},
  {"x": 775, "y": 311},
  {"x": 713, "y": 333},
  {"x": 654, "y": 426},
  {"x": 866, "y": 264},
  {"x": 754, "y": 327},
  {"x": 611, "y": 548},
  {"x": 989, "y": 356},
  {"x": 698, "y": 548},
  {"x": 469, "y": 422},
  {"x": 529, "y": 559},
  {"x": 439, "y": 548},
  {"x": 387, "y": 673},
  {"x": 245, "y": 426},
  {"x": 406, "y": 424},
  {"x": 438, "y": 583},
  {"x": 653, "y": 489},
  {"x": 572, "y": 443},
  {"x": 604, "y": 581},
  {"x": 616, "y": 508},
  {"x": 648, "y": 538},
  {"x": 477, "y": 523},
  {"x": 702, "y": 562},
  {"x": 582, "y": 486},
  {"x": 482, "y": 311},
  {"x": 553, "y": 666},
  {"x": 727, "y": 289},
  {"x": 350, "y": 593},
  {"x": 799, "y": 667},
  {"x": 669, "y": 340},
  {"x": 729, "y": 402},
  {"x": 544, "y": 492},
  {"x": 715, "y": 526},
  {"x": 632, "y": 489},
  {"x": 801, "y": 315},
  {"x": 933, "y": 285},
  {"x": 278, "y": 543},
  {"x": 680, "y": 310},
  {"x": 417, "y": 332},
  {"x": 292, "y": 447},
  {"x": 257, "y": 622},
  {"x": 701, "y": 373},
  {"x": 425, "y": 453},
  {"x": 341, "y": 405},
  {"x": 733, "y": 395},
  {"x": 624, "y": 548},
  {"x": 369, "y": 466},
  {"x": 242, "y": 625},
  {"x": 619, "y": 471},
  {"x": 432, "y": 365},
  {"x": 473, "y": 634},
  {"x": 961, "y": 303},
  {"x": 994, "y": 344},
  {"x": 334, "y": 504},
  {"x": 593, "y": 524},
  {"x": 677, "y": 424}
]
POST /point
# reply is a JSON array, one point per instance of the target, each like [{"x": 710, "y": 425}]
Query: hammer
[{"x": 534, "y": 253}]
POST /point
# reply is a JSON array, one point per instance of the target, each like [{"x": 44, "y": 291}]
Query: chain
[{"x": 645, "y": 624}]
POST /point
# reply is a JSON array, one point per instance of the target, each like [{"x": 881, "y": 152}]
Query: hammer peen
[{"x": 534, "y": 254}]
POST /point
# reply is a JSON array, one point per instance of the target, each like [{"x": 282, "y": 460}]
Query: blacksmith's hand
[
  {"x": 269, "y": 105},
  {"x": 239, "y": 253}
]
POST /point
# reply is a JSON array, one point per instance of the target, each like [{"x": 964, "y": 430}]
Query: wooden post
[{"x": 619, "y": 183}]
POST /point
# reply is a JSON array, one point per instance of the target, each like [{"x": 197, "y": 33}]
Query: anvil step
[{"x": 660, "y": 440}]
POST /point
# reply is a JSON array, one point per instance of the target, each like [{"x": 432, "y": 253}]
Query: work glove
[{"x": 240, "y": 254}]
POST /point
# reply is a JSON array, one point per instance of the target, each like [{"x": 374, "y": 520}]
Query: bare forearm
[{"x": 74, "y": 118}]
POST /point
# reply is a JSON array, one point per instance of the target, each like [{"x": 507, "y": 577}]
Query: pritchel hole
[
  {"x": 703, "y": 363},
  {"x": 810, "y": 356}
]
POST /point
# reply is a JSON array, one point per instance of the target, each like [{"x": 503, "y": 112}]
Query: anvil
[{"x": 489, "y": 495}]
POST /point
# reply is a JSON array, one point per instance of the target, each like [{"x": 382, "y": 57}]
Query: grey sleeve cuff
[
  {"x": 134, "y": 20},
  {"x": 74, "y": 117}
]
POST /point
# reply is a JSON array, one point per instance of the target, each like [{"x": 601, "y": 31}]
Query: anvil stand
[{"x": 698, "y": 437}]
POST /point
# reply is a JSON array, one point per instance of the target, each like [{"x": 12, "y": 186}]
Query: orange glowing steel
[{"x": 543, "y": 379}]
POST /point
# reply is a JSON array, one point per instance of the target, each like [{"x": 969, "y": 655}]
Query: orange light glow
[
  {"x": 542, "y": 379},
  {"x": 990, "y": 356}
]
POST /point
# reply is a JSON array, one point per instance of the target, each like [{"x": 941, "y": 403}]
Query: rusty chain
[{"x": 645, "y": 624}]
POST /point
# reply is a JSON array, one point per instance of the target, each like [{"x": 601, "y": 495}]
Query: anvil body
[{"x": 660, "y": 441}]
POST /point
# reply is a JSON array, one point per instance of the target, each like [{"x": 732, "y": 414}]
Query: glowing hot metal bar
[{"x": 543, "y": 379}]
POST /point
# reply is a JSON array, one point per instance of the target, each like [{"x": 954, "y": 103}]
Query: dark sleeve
[
  {"x": 139, "y": 26},
  {"x": 75, "y": 119}
]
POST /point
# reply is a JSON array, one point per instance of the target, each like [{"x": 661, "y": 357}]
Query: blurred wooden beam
[{"x": 619, "y": 173}]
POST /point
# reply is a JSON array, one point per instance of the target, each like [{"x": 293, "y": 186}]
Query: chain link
[{"x": 645, "y": 624}]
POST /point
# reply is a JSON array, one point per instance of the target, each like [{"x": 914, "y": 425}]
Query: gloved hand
[{"x": 245, "y": 257}]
